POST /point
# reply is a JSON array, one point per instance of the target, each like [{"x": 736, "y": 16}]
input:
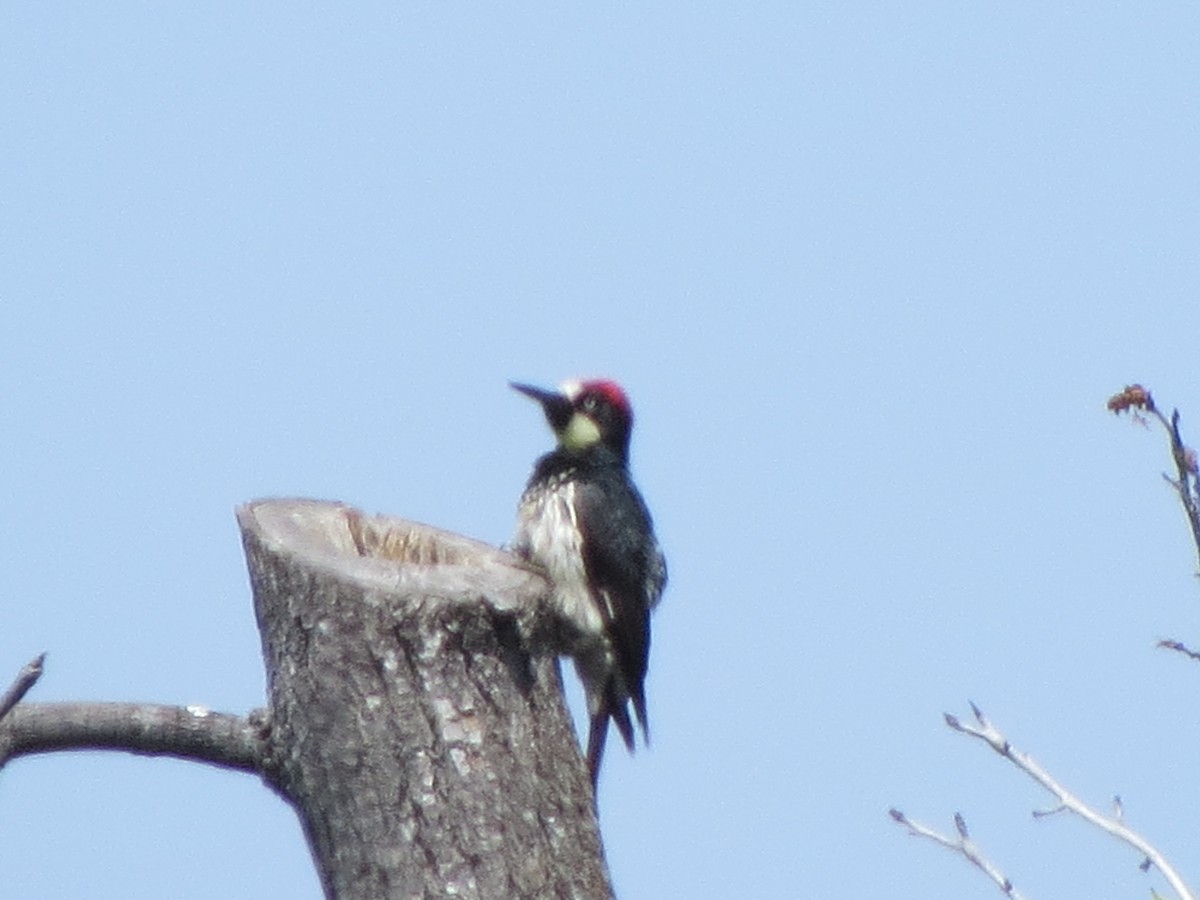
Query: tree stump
[{"x": 416, "y": 718}]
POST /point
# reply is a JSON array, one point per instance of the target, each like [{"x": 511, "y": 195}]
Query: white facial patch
[{"x": 581, "y": 432}]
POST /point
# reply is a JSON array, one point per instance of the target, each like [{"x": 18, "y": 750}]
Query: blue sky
[{"x": 868, "y": 274}]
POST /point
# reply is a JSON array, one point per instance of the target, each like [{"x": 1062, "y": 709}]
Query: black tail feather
[
  {"x": 612, "y": 706},
  {"x": 621, "y": 715},
  {"x": 639, "y": 708},
  {"x": 597, "y": 735}
]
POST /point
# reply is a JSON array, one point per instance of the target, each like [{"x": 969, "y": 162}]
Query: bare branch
[
  {"x": 990, "y": 735},
  {"x": 25, "y": 679},
  {"x": 962, "y": 845},
  {"x": 1137, "y": 401},
  {"x": 191, "y": 732}
]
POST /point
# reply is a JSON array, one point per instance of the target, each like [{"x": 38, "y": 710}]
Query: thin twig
[
  {"x": 25, "y": 679},
  {"x": 1187, "y": 469},
  {"x": 962, "y": 845},
  {"x": 985, "y": 731},
  {"x": 1179, "y": 647},
  {"x": 1185, "y": 466}
]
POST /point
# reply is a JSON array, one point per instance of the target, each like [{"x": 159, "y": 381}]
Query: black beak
[{"x": 558, "y": 407}]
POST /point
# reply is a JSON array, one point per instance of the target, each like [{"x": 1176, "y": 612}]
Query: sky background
[{"x": 869, "y": 273}]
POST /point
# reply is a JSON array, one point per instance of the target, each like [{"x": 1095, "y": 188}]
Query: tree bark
[{"x": 417, "y": 721}]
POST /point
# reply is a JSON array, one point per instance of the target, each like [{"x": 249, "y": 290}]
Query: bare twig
[
  {"x": 191, "y": 732},
  {"x": 1187, "y": 468},
  {"x": 962, "y": 845},
  {"x": 985, "y": 731},
  {"x": 1179, "y": 647},
  {"x": 25, "y": 679}
]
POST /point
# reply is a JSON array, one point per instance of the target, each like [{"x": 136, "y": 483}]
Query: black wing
[{"x": 625, "y": 566}]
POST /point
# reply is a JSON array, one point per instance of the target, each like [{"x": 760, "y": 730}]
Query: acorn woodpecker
[{"x": 582, "y": 519}]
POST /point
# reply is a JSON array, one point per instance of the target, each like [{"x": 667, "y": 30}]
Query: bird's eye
[{"x": 589, "y": 404}]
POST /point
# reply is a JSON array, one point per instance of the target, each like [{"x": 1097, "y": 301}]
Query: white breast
[{"x": 548, "y": 534}]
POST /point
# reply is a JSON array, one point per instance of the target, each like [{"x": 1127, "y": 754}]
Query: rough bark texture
[{"x": 416, "y": 715}]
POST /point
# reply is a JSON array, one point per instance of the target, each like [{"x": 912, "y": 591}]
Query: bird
[{"x": 583, "y": 521}]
